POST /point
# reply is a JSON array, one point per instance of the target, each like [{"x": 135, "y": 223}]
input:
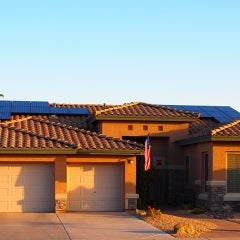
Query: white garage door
[
  {"x": 95, "y": 187},
  {"x": 27, "y": 187}
]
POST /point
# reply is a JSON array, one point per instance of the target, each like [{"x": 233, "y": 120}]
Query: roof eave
[
  {"x": 226, "y": 139},
  {"x": 201, "y": 139},
  {"x": 194, "y": 140},
  {"x": 146, "y": 118},
  {"x": 108, "y": 152},
  {"x": 55, "y": 151},
  {"x": 41, "y": 151}
]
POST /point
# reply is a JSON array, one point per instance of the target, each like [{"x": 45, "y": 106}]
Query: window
[
  {"x": 160, "y": 128},
  {"x": 233, "y": 173},
  {"x": 130, "y": 127},
  {"x": 187, "y": 165},
  {"x": 205, "y": 170},
  {"x": 159, "y": 162},
  {"x": 145, "y": 127}
]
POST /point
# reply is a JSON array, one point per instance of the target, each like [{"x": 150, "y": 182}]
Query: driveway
[{"x": 77, "y": 226}]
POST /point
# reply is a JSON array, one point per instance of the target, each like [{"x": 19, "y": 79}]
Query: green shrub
[
  {"x": 197, "y": 211},
  {"x": 186, "y": 207}
]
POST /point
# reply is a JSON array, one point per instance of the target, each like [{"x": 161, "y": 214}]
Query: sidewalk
[{"x": 226, "y": 229}]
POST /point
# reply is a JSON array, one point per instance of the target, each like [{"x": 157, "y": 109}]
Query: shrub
[
  {"x": 153, "y": 212},
  {"x": 186, "y": 207},
  {"x": 197, "y": 211}
]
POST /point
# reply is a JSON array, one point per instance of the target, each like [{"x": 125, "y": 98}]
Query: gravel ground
[
  {"x": 201, "y": 223},
  {"x": 166, "y": 222}
]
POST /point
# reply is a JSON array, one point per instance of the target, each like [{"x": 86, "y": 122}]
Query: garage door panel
[
  {"x": 4, "y": 193},
  {"x": 26, "y": 187},
  {"x": 36, "y": 194},
  {"x": 34, "y": 180},
  {"x": 31, "y": 206},
  {"x": 100, "y": 187},
  {"x": 74, "y": 205},
  {"x": 101, "y": 205},
  {"x": 14, "y": 170},
  {"x": 16, "y": 192},
  {"x": 4, "y": 179},
  {"x": 17, "y": 180},
  {"x": 87, "y": 204}
]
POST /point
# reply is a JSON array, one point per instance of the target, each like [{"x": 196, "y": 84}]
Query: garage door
[
  {"x": 26, "y": 187},
  {"x": 95, "y": 187}
]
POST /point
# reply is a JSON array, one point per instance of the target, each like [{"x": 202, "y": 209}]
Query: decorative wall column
[
  {"x": 215, "y": 191},
  {"x": 131, "y": 201}
]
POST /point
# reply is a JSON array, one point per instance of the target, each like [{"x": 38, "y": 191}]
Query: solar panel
[
  {"x": 35, "y": 107},
  {"x": 193, "y": 108},
  {"x": 40, "y": 107},
  {"x": 223, "y": 119},
  {"x": 209, "y": 108},
  {"x": 205, "y": 114},
  {"x": 5, "y": 106},
  {"x": 78, "y": 111},
  {"x": 21, "y": 107},
  {"x": 5, "y": 115},
  {"x": 70, "y": 111},
  {"x": 220, "y": 113},
  {"x": 59, "y": 110}
]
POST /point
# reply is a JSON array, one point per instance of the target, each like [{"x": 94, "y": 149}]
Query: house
[
  {"x": 48, "y": 163},
  {"x": 211, "y": 157},
  {"x": 86, "y": 157}
]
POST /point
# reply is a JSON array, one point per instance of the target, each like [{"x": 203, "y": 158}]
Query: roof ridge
[
  {"x": 225, "y": 126},
  {"x": 116, "y": 107},
  {"x": 15, "y": 121}
]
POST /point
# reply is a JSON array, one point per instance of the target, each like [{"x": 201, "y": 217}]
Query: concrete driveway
[{"x": 76, "y": 226}]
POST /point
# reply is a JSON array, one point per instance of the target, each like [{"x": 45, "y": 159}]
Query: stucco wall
[
  {"x": 220, "y": 158},
  {"x": 174, "y": 130},
  {"x": 195, "y": 153}
]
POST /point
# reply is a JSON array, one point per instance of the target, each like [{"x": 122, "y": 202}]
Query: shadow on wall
[
  {"x": 95, "y": 187},
  {"x": 31, "y": 187}
]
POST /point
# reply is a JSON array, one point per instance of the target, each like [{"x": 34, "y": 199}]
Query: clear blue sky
[{"x": 118, "y": 51}]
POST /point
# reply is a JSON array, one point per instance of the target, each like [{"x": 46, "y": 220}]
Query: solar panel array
[
  {"x": 220, "y": 113},
  {"x": 35, "y": 107}
]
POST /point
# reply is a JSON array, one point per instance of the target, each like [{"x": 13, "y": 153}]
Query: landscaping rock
[{"x": 184, "y": 228}]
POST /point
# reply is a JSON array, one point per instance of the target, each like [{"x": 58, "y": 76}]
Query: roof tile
[
  {"x": 210, "y": 127},
  {"x": 229, "y": 129},
  {"x": 144, "y": 109},
  {"x": 35, "y": 132}
]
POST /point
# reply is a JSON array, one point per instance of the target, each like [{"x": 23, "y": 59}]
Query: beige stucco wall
[
  {"x": 220, "y": 151},
  {"x": 174, "y": 130},
  {"x": 217, "y": 152},
  {"x": 195, "y": 153},
  {"x": 163, "y": 142}
]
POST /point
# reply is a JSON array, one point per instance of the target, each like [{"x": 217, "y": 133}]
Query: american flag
[{"x": 147, "y": 154}]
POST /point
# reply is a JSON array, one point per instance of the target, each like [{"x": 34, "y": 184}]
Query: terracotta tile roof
[
  {"x": 139, "y": 109},
  {"x": 79, "y": 121},
  {"x": 217, "y": 132},
  {"x": 132, "y": 109},
  {"x": 229, "y": 129},
  {"x": 92, "y": 108},
  {"x": 34, "y": 132},
  {"x": 202, "y": 126},
  {"x": 207, "y": 127}
]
